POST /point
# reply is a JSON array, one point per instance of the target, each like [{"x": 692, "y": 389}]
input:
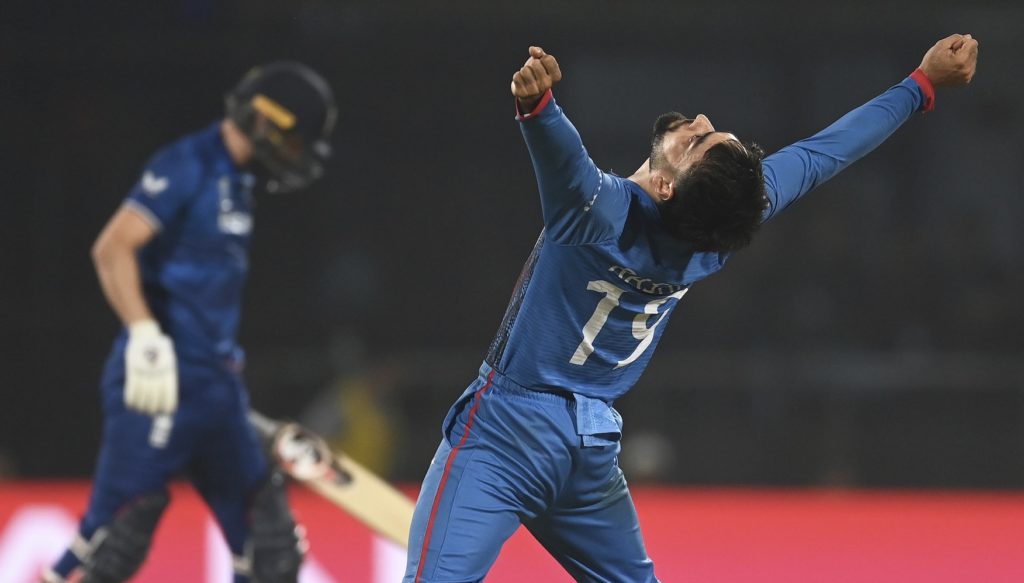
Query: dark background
[{"x": 872, "y": 336}]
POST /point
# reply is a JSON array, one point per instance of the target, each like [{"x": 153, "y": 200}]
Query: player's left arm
[
  {"x": 581, "y": 204},
  {"x": 794, "y": 170}
]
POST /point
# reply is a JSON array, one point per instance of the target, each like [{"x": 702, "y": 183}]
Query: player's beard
[{"x": 665, "y": 123}]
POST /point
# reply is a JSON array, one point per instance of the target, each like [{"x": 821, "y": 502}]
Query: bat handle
[{"x": 265, "y": 426}]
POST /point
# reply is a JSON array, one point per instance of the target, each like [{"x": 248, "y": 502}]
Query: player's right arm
[
  {"x": 794, "y": 170},
  {"x": 580, "y": 203},
  {"x": 151, "y": 384},
  {"x": 151, "y": 370},
  {"x": 114, "y": 254}
]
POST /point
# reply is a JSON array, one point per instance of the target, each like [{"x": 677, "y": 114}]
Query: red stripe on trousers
[{"x": 444, "y": 476}]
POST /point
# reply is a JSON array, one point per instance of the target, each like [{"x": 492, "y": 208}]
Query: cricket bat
[{"x": 305, "y": 456}]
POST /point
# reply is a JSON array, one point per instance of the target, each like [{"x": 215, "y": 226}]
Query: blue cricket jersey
[
  {"x": 604, "y": 277},
  {"x": 194, "y": 269}
]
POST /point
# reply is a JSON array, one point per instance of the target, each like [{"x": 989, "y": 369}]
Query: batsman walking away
[
  {"x": 173, "y": 262},
  {"x": 534, "y": 440}
]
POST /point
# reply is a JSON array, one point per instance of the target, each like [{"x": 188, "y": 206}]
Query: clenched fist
[
  {"x": 952, "y": 61},
  {"x": 538, "y": 75}
]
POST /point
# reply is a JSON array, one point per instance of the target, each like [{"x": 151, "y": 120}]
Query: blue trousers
[
  {"x": 512, "y": 456},
  {"x": 208, "y": 439}
]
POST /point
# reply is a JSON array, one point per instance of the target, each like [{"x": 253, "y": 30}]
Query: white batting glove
[{"x": 151, "y": 370}]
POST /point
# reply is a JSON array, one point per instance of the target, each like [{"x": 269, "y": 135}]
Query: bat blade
[
  {"x": 305, "y": 457},
  {"x": 367, "y": 497}
]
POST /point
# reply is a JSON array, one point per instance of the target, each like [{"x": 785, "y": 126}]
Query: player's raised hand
[
  {"x": 952, "y": 61},
  {"x": 151, "y": 370},
  {"x": 538, "y": 75}
]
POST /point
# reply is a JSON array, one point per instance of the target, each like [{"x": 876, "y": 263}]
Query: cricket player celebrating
[
  {"x": 534, "y": 440},
  {"x": 172, "y": 262}
]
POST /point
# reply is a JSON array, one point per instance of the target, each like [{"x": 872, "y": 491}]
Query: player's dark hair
[{"x": 717, "y": 204}]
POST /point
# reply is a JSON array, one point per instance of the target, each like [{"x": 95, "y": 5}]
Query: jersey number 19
[{"x": 610, "y": 301}]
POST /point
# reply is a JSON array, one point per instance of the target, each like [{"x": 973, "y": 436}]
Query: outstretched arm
[
  {"x": 794, "y": 170},
  {"x": 580, "y": 203}
]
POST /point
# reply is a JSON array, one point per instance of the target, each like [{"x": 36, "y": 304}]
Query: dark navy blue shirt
[{"x": 194, "y": 269}]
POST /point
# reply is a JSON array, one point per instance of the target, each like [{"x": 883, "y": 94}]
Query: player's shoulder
[
  {"x": 184, "y": 161},
  {"x": 633, "y": 190},
  {"x": 643, "y": 211},
  {"x": 617, "y": 192},
  {"x": 193, "y": 150}
]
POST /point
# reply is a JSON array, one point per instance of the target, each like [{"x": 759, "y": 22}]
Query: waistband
[
  {"x": 596, "y": 421},
  {"x": 508, "y": 385}
]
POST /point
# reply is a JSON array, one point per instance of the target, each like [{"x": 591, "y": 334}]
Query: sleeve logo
[{"x": 153, "y": 185}]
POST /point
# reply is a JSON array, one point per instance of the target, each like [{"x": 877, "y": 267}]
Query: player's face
[{"x": 686, "y": 140}]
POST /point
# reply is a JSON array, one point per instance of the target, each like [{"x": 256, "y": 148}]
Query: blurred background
[{"x": 871, "y": 337}]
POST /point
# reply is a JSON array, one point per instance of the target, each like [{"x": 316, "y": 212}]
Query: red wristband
[
  {"x": 926, "y": 86},
  {"x": 536, "y": 109}
]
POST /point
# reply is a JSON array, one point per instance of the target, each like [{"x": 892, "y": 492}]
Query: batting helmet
[{"x": 288, "y": 113}]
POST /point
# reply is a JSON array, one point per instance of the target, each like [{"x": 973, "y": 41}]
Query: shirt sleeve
[
  {"x": 794, "y": 170},
  {"x": 581, "y": 204},
  {"x": 169, "y": 183}
]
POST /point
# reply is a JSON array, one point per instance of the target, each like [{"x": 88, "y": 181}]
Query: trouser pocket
[{"x": 451, "y": 420}]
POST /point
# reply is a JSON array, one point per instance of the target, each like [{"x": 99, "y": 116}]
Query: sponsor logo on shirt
[
  {"x": 231, "y": 220},
  {"x": 645, "y": 284},
  {"x": 235, "y": 223}
]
